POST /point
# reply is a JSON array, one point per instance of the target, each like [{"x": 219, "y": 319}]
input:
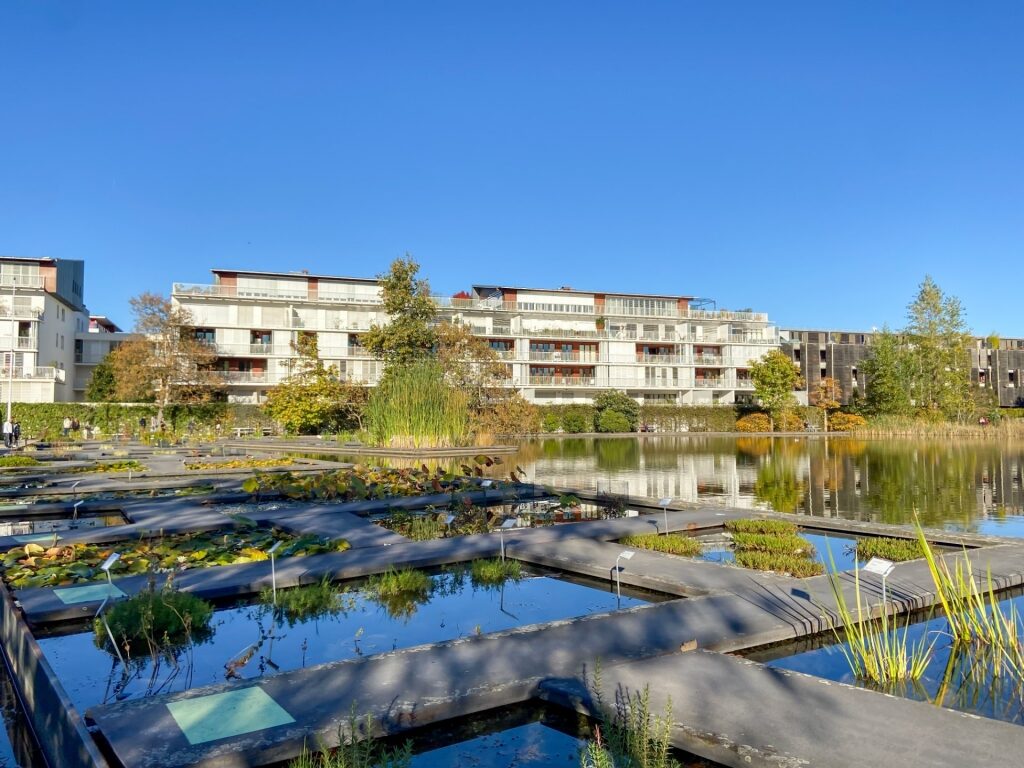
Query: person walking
[
  {"x": 66, "y": 426},
  {"x": 8, "y": 430},
  {"x": 16, "y": 433}
]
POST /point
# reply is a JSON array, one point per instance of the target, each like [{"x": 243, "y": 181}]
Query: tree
[
  {"x": 102, "y": 386},
  {"x": 510, "y": 415},
  {"x": 165, "y": 361},
  {"x": 827, "y": 396},
  {"x": 939, "y": 340},
  {"x": 617, "y": 402},
  {"x": 775, "y": 377},
  {"x": 313, "y": 397},
  {"x": 470, "y": 364},
  {"x": 887, "y": 376},
  {"x": 408, "y": 335}
]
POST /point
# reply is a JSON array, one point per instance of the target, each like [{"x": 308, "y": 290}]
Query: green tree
[
  {"x": 612, "y": 421},
  {"x": 409, "y": 333},
  {"x": 617, "y": 402},
  {"x": 314, "y": 398},
  {"x": 775, "y": 377},
  {"x": 939, "y": 342},
  {"x": 887, "y": 376},
  {"x": 102, "y": 386}
]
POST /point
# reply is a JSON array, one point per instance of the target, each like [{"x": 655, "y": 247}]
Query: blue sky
[{"x": 812, "y": 160}]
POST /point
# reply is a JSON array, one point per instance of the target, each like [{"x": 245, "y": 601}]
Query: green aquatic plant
[
  {"x": 760, "y": 525},
  {"x": 782, "y": 544},
  {"x": 629, "y": 735},
  {"x": 246, "y": 463},
  {"x": 793, "y": 565},
  {"x": 305, "y": 603},
  {"x": 877, "y": 649},
  {"x": 672, "y": 543},
  {"x": 34, "y": 565},
  {"x": 400, "y": 591},
  {"x": 415, "y": 406},
  {"x": 129, "y": 465},
  {"x": 494, "y": 572},
  {"x": 888, "y": 548},
  {"x": 356, "y": 749},
  {"x": 158, "y": 620},
  {"x": 19, "y": 461}
]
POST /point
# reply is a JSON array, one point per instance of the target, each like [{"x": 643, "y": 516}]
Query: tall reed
[{"x": 415, "y": 407}]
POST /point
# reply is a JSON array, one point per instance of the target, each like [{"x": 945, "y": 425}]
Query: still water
[{"x": 967, "y": 485}]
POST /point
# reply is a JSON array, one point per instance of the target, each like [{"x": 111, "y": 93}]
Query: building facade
[
  {"x": 99, "y": 339},
  {"x": 41, "y": 311},
  {"x": 561, "y": 345}
]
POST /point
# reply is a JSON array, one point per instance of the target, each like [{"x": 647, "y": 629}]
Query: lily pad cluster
[
  {"x": 361, "y": 482},
  {"x": 129, "y": 465},
  {"x": 39, "y": 565},
  {"x": 246, "y": 463}
]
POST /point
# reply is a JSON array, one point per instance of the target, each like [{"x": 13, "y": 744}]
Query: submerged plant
[
  {"x": 672, "y": 543},
  {"x": 494, "y": 572}
]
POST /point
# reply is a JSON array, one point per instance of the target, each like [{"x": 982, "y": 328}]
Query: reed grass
[
  {"x": 312, "y": 601},
  {"x": 758, "y": 525},
  {"x": 356, "y": 749},
  {"x": 909, "y": 426},
  {"x": 672, "y": 543},
  {"x": 877, "y": 649},
  {"x": 494, "y": 571},
  {"x": 399, "y": 581},
  {"x": 415, "y": 407},
  {"x": 897, "y": 550}
]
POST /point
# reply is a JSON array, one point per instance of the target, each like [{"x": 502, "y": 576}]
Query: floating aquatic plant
[{"x": 672, "y": 543}]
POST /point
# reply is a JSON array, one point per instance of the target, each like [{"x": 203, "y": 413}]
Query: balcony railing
[
  {"x": 20, "y": 312},
  {"x": 7, "y": 281},
  {"x": 274, "y": 294},
  {"x": 662, "y": 359},
  {"x": 709, "y": 383},
  {"x": 39, "y": 372},
  {"x": 564, "y": 357},
  {"x": 709, "y": 360},
  {"x": 260, "y": 349},
  {"x": 562, "y": 381}
]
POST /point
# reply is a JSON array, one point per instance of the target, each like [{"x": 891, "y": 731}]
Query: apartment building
[
  {"x": 561, "y": 345},
  {"x": 93, "y": 344},
  {"x": 41, "y": 311}
]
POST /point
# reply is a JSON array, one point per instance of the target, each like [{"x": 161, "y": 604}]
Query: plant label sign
[{"x": 880, "y": 566}]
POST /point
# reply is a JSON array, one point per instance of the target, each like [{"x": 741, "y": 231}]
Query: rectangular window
[{"x": 208, "y": 335}]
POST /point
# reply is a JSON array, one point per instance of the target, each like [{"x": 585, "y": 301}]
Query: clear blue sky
[{"x": 812, "y": 160}]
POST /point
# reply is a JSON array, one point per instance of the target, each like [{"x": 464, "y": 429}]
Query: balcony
[
  {"x": 504, "y": 354},
  {"x": 709, "y": 360},
  {"x": 272, "y": 294},
  {"x": 247, "y": 377},
  {"x": 662, "y": 359},
  {"x": 27, "y": 283},
  {"x": 709, "y": 383},
  {"x": 744, "y": 384},
  {"x": 45, "y": 372},
  {"x": 260, "y": 349},
  {"x": 20, "y": 312},
  {"x": 558, "y": 356},
  {"x": 562, "y": 381}
]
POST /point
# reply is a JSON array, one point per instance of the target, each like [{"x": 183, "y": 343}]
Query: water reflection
[{"x": 971, "y": 486}]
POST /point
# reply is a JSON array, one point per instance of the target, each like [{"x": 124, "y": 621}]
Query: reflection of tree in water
[
  {"x": 617, "y": 453},
  {"x": 777, "y": 485}
]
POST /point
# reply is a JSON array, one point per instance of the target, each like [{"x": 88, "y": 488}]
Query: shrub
[
  {"x": 621, "y": 403},
  {"x": 612, "y": 421},
  {"x": 789, "y": 421},
  {"x": 754, "y": 422},
  {"x": 672, "y": 543},
  {"x": 577, "y": 419},
  {"x": 845, "y": 422},
  {"x": 550, "y": 422}
]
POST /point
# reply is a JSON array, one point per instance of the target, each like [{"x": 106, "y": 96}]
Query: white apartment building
[
  {"x": 561, "y": 345},
  {"x": 41, "y": 311},
  {"x": 93, "y": 344}
]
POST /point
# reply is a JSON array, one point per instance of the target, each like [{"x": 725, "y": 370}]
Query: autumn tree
[
  {"x": 164, "y": 361},
  {"x": 409, "y": 333},
  {"x": 470, "y": 364},
  {"x": 775, "y": 377},
  {"x": 826, "y": 396},
  {"x": 314, "y": 397}
]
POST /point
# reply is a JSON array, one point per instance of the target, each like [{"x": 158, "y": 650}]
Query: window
[
  {"x": 638, "y": 306},
  {"x": 208, "y": 335}
]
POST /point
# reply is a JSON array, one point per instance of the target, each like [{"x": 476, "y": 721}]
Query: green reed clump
[
  {"x": 794, "y": 565},
  {"x": 494, "y": 571},
  {"x": 400, "y": 592},
  {"x": 672, "y": 543},
  {"x": 356, "y": 749},
  {"x": 414, "y": 406},
  {"x": 759, "y": 525},
  {"x": 19, "y": 461},
  {"x": 312, "y": 601},
  {"x": 782, "y": 544},
  {"x": 897, "y": 550},
  {"x": 877, "y": 649},
  {"x": 629, "y": 734}
]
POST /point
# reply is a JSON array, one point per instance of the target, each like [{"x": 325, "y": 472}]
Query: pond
[
  {"x": 252, "y": 641},
  {"x": 954, "y": 678},
  {"x": 17, "y": 745},
  {"x": 835, "y": 553}
]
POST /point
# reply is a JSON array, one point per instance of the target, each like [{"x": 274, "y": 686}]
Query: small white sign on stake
[{"x": 880, "y": 566}]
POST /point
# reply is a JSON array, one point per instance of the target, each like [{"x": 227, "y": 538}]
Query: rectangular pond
[
  {"x": 247, "y": 641},
  {"x": 955, "y": 678}
]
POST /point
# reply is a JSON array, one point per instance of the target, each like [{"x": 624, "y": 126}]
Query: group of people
[
  {"x": 12, "y": 433},
  {"x": 70, "y": 425}
]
